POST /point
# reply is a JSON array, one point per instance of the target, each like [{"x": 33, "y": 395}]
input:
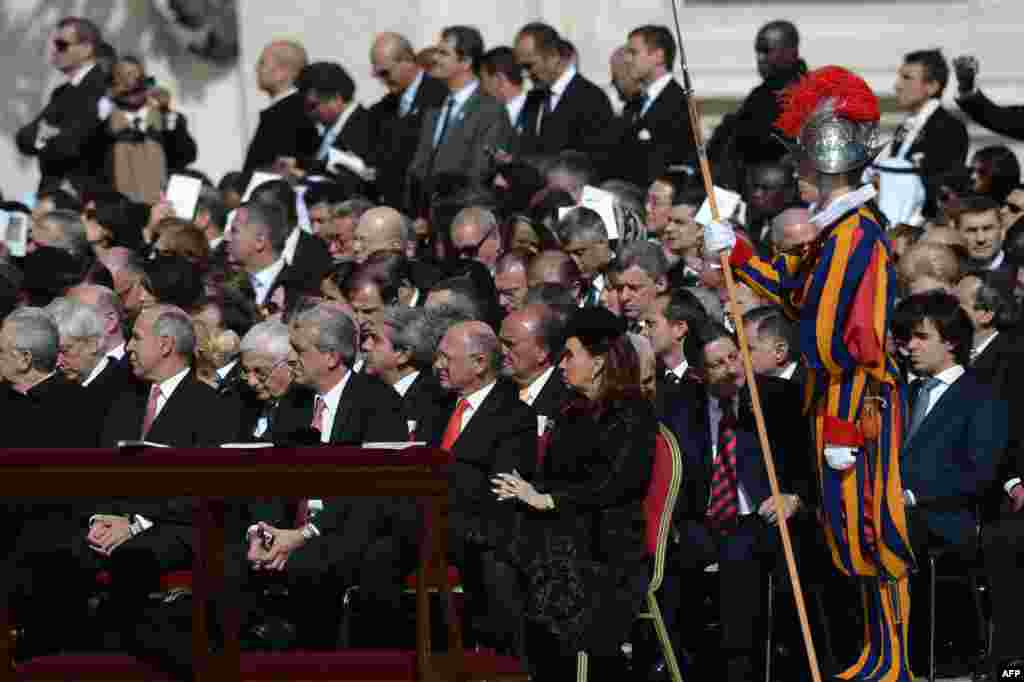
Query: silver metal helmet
[{"x": 834, "y": 144}]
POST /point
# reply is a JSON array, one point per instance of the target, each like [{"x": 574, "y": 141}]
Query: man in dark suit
[
  {"x": 67, "y": 135},
  {"x": 773, "y": 344},
  {"x": 285, "y": 130},
  {"x": 981, "y": 226},
  {"x": 398, "y": 350},
  {"x": 1004, "y": 120},
  {"x": 747, "y": 136},
  {"x": 957, "y": 431},
  {"x": 460, "y": 136},
  {"x": 82, "y": 360},
  {"x": 564, "y": 110},
  {"x": 348, "y": 408},
  {"x": 657, "y": 132},
  {"x": 666, "y": 323},
  {"x": 531, "y": 346},
  {"x": 931, "y": 138},
  {"x": 398, "y": 116},
  {"x": 726, "y": 514},
  {"x": 346, "y": 145},
  {"x": 305, "y": 255},
  {"x": 490, "y": 431}
]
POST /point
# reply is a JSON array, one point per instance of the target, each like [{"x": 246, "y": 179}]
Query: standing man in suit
[
  {"x": 531, "y": 346},
  {"x": 346, "y": 144},
  {"x": 931, "y": 138},
  {"x": 398, "y": 350},
  {"x": 564, "y": 110},
  {"x": 67, "y": 135},
  {"x": 657, "y": 133},
  {"x": 462, "y": 135},
  {"x": 747, "y": 136},
  {"x": 398, "y": 116},
  {"x": 957, "y": 430},
  {"x": 285, "y": 130},
  {"x": 725, "y": 513},
  {"x": 501, "y": 77}
]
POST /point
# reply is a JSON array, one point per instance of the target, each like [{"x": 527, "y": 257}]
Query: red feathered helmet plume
[{"x": 852, "y": 99}]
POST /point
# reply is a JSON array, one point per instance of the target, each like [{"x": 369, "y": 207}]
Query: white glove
[
  {"x": 840, "y": 457},
  {"x": 718, "y": 237}
]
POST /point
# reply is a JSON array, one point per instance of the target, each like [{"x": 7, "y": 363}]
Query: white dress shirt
[
  {"x": 278, "y": 98},
  {"x": 788, "y": 372},
  {"x": 405, "y": 383},
  {"x": 331, "y": 402},
  {"x": 97, "y": 370},
  {"x": 537, "y": 385},
  {"x": 680, "y": 371},
  {"x": 167, "y": 388},
  {"x": 456, "y": 101},
  {"x": 654, "y": 90},
  {"x": 265, "y": 278},
  {"x": 980, "y": 348},
  {"x": 409, "y": 96},
  {"x": 997, "y": 261},
  {"x": 515, "y": 107},
  {"x": 715, "y": 418},
  {"x": 475, "y": 399},
  {"x": 82, "y": 72}
]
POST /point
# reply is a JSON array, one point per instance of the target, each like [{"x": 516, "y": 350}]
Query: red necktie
[
  {"x": 147, "y": 421},
  {"x": 454, "y": 428},
  {"x": 724, "y": 505},
  {"x": 318, "y": 414}
]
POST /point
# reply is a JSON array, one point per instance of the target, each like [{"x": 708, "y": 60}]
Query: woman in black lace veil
[{"x": 581, "y": 544}]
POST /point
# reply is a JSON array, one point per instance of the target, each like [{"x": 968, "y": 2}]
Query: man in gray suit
[{"x": 469, "y": 126}]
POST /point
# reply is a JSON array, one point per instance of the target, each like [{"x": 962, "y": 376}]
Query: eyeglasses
[
  {"x": 467, "y": 252},
  {"x": 261, "y": 377}
]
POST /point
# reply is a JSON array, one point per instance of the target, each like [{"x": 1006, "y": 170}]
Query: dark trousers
[
  {"x": 744, "y": 556},
  {"x": 54, "y": 572},
  {"x": 494, "y": 596},
  {"x": 923, "y": 541},
  {"x": 1003, "y": 547}
]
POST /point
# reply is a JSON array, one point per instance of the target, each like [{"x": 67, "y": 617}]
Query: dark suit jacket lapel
[
  {"x": 340, "y": 429},
  {"x": 947, "y": 402},
  {"x": 169, "y": 418},
  {"x": 478, "y": 421}
]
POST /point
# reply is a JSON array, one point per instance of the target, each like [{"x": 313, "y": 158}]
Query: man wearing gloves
[{"x": 841, "y": 287}]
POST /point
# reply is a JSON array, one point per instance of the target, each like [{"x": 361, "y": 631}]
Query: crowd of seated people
[{"x": 423, "y": 269}]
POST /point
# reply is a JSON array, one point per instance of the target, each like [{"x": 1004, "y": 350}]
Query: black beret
[{"x": 595, "y": 327}]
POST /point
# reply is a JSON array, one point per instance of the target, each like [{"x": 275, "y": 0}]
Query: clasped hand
[
  {"x": 108, "y": 532},
  {"x": 284, "y": 541},
  {"x": 514, "y": 486},
  {"x": 790, "y": 505}
]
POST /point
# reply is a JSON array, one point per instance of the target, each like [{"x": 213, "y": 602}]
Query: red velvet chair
[{"x": 666, "y": 479}]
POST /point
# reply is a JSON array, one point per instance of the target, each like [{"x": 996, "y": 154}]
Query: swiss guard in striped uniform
[{"x": 841, "y": 287}]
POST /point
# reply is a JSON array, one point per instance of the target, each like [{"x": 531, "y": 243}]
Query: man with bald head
[
  {"x": 475, "y": 236},
  {"x": 398, "y": 116},
  {"x": 748, "y": 135},
  {"x": 792, "y": 228},
  {"x": 285, "y": 130},
  {"x": 490, "y": 431},
  {"x": 531, "y": 346},
  {"x": 380, "y": 229}
]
